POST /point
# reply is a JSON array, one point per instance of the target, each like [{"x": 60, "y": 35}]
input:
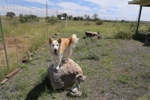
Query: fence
[{"x": 17, "y": 36}]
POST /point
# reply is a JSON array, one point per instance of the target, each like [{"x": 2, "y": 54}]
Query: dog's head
[{"x": 54, "y": 45}]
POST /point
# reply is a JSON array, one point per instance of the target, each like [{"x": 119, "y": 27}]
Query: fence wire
[{"x": 17, "y": 37}]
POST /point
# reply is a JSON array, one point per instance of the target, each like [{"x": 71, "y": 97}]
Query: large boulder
[{"x": 65, "y": 76}]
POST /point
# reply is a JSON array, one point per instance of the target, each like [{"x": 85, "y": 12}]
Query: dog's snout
[{"x": 55, "y": 51}]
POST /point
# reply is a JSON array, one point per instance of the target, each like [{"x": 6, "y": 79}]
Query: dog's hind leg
[{"x": 68, "y": 53}]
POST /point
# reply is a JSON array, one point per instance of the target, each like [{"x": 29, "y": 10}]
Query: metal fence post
[{"x": 1, "y": 28}]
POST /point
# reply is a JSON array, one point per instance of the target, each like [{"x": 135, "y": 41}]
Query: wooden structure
[{"x": 141, "y": 3}]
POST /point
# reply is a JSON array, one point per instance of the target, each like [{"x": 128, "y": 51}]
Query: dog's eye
[
  {"x": 57, "y": 44},
  {"x": 53, "y": 45}
]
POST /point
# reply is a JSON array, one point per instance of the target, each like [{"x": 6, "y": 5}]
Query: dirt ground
[{"x": 115, "y": 70}]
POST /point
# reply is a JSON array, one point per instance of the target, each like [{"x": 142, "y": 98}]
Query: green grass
[
  {"x": 115, "y": 68},
  {"x": 123, "y": 78},
  {"x": 21, "y": 38}
]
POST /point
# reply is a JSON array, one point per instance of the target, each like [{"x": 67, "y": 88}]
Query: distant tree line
[
  {"x": 28, "y": 18},
  {"x": 70, "y": 17},
  {"x": 63, "y": 16},
  {"x": 24, "y": 18}
]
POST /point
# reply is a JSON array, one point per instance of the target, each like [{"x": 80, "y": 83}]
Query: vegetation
[
  {"x": 21, "y": 38},
  {"x": 99, "y": 22},
  {"x": 116, "y": 66},
  {"x": 28, "y": 18},
  {"x": 10, "y": 14},
  {"x": 52, "y": 20}
]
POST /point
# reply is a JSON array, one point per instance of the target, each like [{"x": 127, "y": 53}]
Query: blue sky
[{"x": 106, "y": 9}]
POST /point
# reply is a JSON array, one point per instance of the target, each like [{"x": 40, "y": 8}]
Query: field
[{"x": 116, "y": 69}]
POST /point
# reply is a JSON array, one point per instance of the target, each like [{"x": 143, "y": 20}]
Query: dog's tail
[{"x": 74, "y": 40}]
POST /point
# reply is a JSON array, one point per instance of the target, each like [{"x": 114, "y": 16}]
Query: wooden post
[{"x": 137, "y": 27}]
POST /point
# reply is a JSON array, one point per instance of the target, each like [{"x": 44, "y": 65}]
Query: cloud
[
  {"x": 39, "y": 1},
  {"x": 106, "y": 9},
  {"x": 73, "y": 6},
  {"x": 118, "y": 9}
]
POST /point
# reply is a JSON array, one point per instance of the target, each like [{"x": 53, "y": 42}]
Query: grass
[
  {"x": 21, "y": 38},
  {"x": 115, "y": 69}
]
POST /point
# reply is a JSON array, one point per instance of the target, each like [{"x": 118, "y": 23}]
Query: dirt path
[{"x": 115, "y": 70}]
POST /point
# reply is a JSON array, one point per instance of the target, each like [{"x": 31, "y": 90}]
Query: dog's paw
[
  {"x": 74, "y": 90},
  {"x": 66, "y": 60},
  {"x": 57, "y": 67}
]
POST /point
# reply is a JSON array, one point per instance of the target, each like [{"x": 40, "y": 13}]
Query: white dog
[{"x": 62, "y": 47}]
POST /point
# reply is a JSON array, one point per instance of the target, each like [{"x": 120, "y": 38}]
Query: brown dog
[{"x": 62, "y": 47}]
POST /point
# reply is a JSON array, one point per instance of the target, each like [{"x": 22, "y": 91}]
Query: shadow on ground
[
  {"x": 42, "y": 87},
  {"x": 35, "y": 93},
  {"x": 140, "y": 37}
]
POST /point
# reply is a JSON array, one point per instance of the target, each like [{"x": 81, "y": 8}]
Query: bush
[
  {"x": 99, "y": 22},
  {"x": 123, "y": 35},
  {"x": 52, "y": 20},
  {"x": 28, "y": 18}
]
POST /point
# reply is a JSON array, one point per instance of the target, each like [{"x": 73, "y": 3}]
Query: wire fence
[{"x": 19, "y": 38}]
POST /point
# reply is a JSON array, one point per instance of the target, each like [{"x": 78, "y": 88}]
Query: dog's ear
[
  {"x": 50, "y": 40},
  {"x": 59, "y": 40}
]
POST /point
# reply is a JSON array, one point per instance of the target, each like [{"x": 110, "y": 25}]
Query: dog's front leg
[
  {"x": 54, "y": 61},
  {"x": 59, "y": 62}
]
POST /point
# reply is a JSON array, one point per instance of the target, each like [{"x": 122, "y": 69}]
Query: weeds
[
  {"x": 123, "y": 35},
  {"x": 92, "y": 56},
  {"x": 123, "y": 78}
]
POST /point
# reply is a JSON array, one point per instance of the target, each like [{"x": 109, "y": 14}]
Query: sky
[{"x": 106, "y": 9}]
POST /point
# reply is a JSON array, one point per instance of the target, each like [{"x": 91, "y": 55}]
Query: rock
[{"x": 65, "y": 76}]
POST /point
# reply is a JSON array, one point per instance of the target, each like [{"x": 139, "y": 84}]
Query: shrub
[
  {"x": 123, "y": 35},
  {"x": 52, "y": 20},
  {"x": 99, "y": 22},
  {"x": 28, "y": 18}
]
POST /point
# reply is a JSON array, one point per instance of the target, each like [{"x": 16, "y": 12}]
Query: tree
[
  {"x": 75, "y": 18},
  {"x": 52, "y": 20},
  {"x": 95, "y": 17},
  {"x": 59, "y": 16},
  {"x": 64, "y": 15},
  {"x": 10, "y": 14},
  {"x": 70, "y": 17},
  {"x": 87, "y": 17},
  {"x": 80, "y": 18}
]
